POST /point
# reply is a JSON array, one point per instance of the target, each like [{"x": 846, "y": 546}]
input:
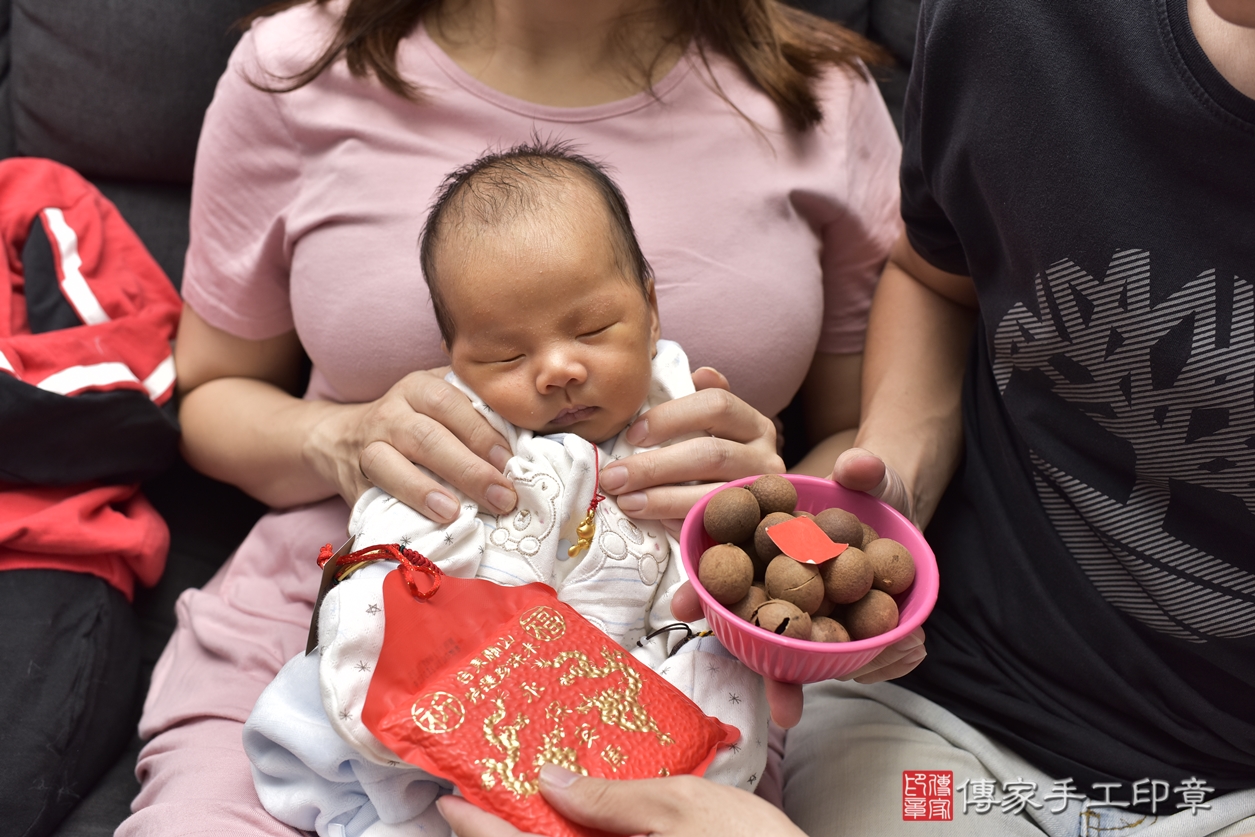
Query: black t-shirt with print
[{"x": 1095, "y": 175}]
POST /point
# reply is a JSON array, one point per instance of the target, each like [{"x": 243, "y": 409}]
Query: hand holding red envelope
[
  {"x": 802, "y": 540},
  {"x": 483, "y": 685}
]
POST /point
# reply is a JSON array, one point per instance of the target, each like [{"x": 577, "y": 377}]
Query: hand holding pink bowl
[{"x": 802, "y": 661}]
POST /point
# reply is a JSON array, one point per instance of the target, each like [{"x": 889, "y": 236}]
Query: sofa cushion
[
  {"x": 6, "y": 113},
  {"x": 158, "y": 213},
  {"x": 117, "y": 89}
]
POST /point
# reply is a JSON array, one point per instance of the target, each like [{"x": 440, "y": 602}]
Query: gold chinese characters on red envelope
[{"x": 483, "y": 685}]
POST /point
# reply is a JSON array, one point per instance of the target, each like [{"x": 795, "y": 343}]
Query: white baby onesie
[{"x": 317, "y": 767}]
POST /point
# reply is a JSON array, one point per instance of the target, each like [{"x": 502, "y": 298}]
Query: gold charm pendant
[{"x": 585, "y": 531}]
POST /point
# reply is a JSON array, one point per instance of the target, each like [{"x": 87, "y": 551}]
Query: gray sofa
[{"x": 117, "y": 89}]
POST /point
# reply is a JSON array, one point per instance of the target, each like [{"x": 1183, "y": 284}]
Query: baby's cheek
[{"x": 514, "y": 399}]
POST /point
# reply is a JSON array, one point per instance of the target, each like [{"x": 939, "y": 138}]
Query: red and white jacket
[{"x": 85, "y": 369}]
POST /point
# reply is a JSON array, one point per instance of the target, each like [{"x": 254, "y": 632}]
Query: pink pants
[{"x": 232, "y": 637}]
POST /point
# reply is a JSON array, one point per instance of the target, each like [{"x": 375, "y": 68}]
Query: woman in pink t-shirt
[{"x": 761, "y": 168}]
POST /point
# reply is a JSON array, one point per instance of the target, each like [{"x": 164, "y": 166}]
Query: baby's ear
[
  {"x": 444, "y": 347},
  {"x": 655, "y": 324}
]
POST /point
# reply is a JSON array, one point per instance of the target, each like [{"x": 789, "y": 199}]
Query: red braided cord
[
  {"x": 411, "y": 562},
  {"x": 597, "y": 495}
]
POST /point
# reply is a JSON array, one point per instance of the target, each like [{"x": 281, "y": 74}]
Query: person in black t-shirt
[{"x": 1060, "y": 382}]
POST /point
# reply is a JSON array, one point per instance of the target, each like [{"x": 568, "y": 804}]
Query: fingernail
[
  {"x": 442, "y": 505},
  {"x": 634, "y": 502},
  {"x": 498, "y": 456},
  {"x": 557, "y": 777},
  {"x": 636, "y": 433},
  {"x": 614, "y": 478},
  {"x": 502, "y": 499}
]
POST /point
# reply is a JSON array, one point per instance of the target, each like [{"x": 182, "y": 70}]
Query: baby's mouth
[{"x": 571, "y": 415}]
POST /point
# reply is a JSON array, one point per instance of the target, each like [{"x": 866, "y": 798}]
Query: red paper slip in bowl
[{"x": 483, "y": 685}]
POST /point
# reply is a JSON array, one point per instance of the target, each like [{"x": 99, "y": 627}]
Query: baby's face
[{"x": 548, "y": 330}]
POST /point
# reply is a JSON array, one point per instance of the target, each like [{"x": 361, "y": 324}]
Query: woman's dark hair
[
  {"x": 503, "y": 186},
  {"x": 781, "y": 49}
]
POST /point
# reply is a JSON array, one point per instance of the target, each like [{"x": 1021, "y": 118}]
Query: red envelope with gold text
[{"x": 483, "y": 684}]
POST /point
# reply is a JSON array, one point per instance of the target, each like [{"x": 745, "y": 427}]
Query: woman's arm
[
  {"x": 243, "y": 424},
  {"x": 911, "y": 435},
  {"x": 830, "y": 398}
]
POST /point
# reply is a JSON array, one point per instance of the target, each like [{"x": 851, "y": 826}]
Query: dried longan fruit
[
  {"x": 872, "y": 615},
  {"x": 892, "y": 564},
  {"x": 774, "y": 494},
  {"x": 753, "y": 600},
  {"x": 825, "y": 608},
  {"x": 731, "y": 516},
  {"x": 840, "y": 526},
  {"x": 803, "y": 513},
  {"x": 869, "y": 534},
  {"x": 763, "y": 543},
  {"x": 824, "y": 629},
  {"x": 784, "y": 618},
  {"x": 726, "y": 572},
  {"x": 794, "y": 582},
  {"x": 848, "y": 577},
  {"x": 760, "y": 566}
]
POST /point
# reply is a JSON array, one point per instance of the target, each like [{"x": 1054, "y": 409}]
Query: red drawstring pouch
[{"x": 483, "y": 685}]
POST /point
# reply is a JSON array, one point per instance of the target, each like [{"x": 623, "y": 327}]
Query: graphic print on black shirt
[{"x": 1160, "y": 393}]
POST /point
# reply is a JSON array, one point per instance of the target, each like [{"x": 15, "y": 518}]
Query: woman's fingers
[
  {"x": 469, "y": 821},
  {"x": 714, "y": 411},
  {"x": 650, "y": 484},
  {"x": 706, "y": 377},
  {"x": 429, "y": 395},
  {"x": 785, "y": 701},
  {"x": 385, "y": 466},
  {"x": 685, "y": 605},
  {"x": 678, "y": 806},
  {"x": 424, "y": 420},
  {"x": 896, "y": 660},
  {"x": 720, "y": 438},
  {"x": 665, "y": 502}
]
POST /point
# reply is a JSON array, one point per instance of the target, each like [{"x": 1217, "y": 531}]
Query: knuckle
[
  {"x": 369, "y": 457},
  {"x": 469, "y": 474},
  {"x": 723, "y": 403},
  {"x": 717, "y": 454},
  {"x": 423, "y": 435},
  {"x": 438, "y": 399}
]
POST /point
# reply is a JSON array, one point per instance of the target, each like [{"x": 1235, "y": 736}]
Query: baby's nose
[{"x": 560, "y": 368}]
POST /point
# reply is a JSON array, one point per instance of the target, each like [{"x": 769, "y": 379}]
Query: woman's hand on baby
[
  {"x": 677, "y": 806},
  {"x": 734, "y": 440},
  {"x": 422, "y": 419}
]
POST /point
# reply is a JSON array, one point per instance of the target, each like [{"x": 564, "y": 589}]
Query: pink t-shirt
[{"x": 307, "y": 207}]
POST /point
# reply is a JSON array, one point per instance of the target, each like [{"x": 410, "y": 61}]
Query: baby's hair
[{"x": 501, "y": 187}]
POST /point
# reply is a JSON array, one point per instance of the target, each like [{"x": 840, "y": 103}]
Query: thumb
[
  {"x": 685, "y": 605},
  {"x": 705, "y": 377},
  {"x": 861, "y": 470},
  {"x": 619, "y": 807}
]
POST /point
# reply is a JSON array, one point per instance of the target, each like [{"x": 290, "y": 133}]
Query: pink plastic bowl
[{"x": 802, "y": 661}]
